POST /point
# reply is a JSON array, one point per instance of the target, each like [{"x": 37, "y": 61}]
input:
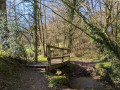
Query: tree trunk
[
  {"x": 116, "y": 31},
  {"x": 35, "y": 29},
  {"x": 44, "y": 9}
]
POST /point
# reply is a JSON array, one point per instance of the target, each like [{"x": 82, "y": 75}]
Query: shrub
[
  {"x": 103, "y": 69},
  {"x": 57, "y": 81}
]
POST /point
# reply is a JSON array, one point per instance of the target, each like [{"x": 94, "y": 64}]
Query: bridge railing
[{"x": 49, "y": 57}]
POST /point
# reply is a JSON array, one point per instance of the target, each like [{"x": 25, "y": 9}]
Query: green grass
[
  {"x": 74, "y": 58},
  {"x": 55, "y": 81},
  {"x": 102, "y": 68},
  {"x": 42, "y": 58},
  {"x": 29, "y": 49},
  {"x": 102, "y": 63}
]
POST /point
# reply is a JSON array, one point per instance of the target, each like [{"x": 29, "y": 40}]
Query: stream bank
[{"x": 85, "y": 78}]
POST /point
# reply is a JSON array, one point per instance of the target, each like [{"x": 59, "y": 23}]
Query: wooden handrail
[
  {"x": 57, "y": 47},
  {"x": 49, "y": 54},
  {"x": 59, "y": 57}
]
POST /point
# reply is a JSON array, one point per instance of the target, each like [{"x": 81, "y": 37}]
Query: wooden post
[
  {"x": 46, "y": 50},
  {"x": 62, "y": 55},
  {"x": 69, "y": 54},
  {"x": 49, "y": 57}
]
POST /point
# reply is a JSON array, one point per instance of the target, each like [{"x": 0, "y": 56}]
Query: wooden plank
[
  {"x": 62, "y": 56},
  {"x": 58, "y": 47},
  {"x": 49, "y": 58},
  {"x": 66, "y": 62},
  {"x": 36, "y": 66},
  {"x": 67, "y": 56},
  {"x": 59, "y": 57}
]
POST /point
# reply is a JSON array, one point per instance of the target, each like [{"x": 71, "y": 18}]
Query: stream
[
  {"x": 83, "y": 78},
  {"x": 88, "y": 83}
]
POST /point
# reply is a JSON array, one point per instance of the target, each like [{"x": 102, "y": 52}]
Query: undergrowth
[
  {"x": 104, "y": 68},
  {"x": 56, "y": 80},
  {"x": 9, "y": 66}
]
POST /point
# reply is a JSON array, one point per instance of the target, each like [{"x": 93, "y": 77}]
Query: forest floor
[{"x": 33, "y": 79}]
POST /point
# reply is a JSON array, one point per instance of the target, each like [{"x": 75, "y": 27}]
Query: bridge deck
[{"x": 54, "y": 64}]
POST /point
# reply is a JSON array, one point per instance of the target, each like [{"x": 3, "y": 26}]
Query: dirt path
[{"x": 31, "y": 79}]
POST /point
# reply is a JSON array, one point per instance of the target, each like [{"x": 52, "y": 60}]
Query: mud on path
[
  {"x": 84, "y": 69},
  {"x": 31, "y": 79}
]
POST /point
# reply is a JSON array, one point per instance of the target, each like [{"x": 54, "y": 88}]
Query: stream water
[{"x": 88, "y": 83}]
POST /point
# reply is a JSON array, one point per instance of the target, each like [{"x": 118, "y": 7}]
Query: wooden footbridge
[{"x": 53, "y": 62}]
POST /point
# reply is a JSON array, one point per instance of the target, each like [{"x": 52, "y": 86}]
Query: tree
[
  {"x": 70, "y": 15},
  {"x": 4, "y": 30},
  {"x": 100, "y": 35},
  {"x": 42, "y": 28}
]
